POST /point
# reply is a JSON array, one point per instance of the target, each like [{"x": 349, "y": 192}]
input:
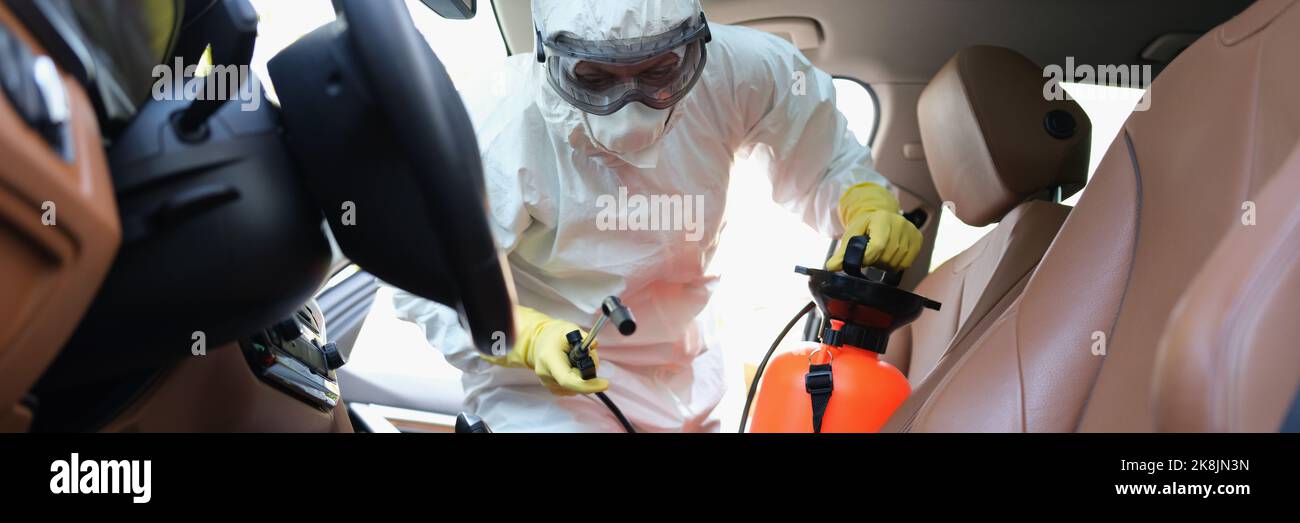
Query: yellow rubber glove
[
  {"x": 541, "y": 346},
  {"x": 870, "y": 209}
]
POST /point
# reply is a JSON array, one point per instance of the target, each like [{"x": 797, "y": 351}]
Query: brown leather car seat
[
  {"x": 1077, "y": 350},
  {"x": 991, "y": 152},
  {"x": 1228, "y": 360},
  {"x": 49, "y": 270}
]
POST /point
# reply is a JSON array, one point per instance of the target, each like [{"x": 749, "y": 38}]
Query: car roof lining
[{"x": 907, "y": 41}]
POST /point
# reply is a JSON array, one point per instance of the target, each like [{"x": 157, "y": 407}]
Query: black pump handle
[{"x": 853, "y": 254}]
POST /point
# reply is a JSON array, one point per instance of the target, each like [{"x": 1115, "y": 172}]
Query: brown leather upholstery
[
  {"x": 219, "y": 393},
  {"x": 1228, "y": 361},
  {"x": 972, "y": 284},
  {"x": 1223, "y": 120},
  {"x": 48, "y": 273},
  {"x": 981, "y": 281},
  {"x": 983, "y": 124}
]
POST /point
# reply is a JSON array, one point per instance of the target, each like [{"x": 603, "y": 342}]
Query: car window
[
  {"x": 1107, "y": 107},
  {"x": 463, "y": 46},
  {"x": 859, "y": 107},
  {"x": 280, "y": 24}
]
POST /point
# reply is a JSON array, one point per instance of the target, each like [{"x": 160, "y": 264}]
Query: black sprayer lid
[{"x": 870, "y": 304}]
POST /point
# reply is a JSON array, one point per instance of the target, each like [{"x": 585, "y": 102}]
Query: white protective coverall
[{"x": 545, "y": 181}]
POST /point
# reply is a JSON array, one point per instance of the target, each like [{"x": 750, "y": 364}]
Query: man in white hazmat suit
[{"x": 633, "y": 99}]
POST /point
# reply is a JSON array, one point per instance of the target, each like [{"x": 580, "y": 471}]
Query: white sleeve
[
  {"x": 502, "y": 133},
  {"x": 442, "y": 328},
  {"x": 795, "y": 126}
]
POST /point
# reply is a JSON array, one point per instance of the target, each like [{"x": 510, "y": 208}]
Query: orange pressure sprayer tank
[
  {"x": 840, "y": 384},
  {"x": 861, "y": 391}
]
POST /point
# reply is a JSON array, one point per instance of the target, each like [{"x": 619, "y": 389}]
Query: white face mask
[{"x": 633, "y": 133}]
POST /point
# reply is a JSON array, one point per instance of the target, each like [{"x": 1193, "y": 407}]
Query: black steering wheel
[{"x": 390, "y": 155}]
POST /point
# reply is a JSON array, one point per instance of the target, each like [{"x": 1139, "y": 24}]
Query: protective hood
[{"x": 604, "y": 20}]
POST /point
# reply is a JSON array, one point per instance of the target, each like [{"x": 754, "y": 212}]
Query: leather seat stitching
[{"x": 1128, "y": 277}]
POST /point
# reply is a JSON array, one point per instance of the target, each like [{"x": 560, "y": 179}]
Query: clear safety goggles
[{"x": 601, "y": 77}]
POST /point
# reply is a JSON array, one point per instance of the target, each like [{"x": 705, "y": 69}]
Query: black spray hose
[
  {"x": 627, "y": 425},
  {"x": 758, "y": 374}
]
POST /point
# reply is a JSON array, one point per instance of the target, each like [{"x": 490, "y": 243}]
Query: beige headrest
[{"x": 993, "y": 139}]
